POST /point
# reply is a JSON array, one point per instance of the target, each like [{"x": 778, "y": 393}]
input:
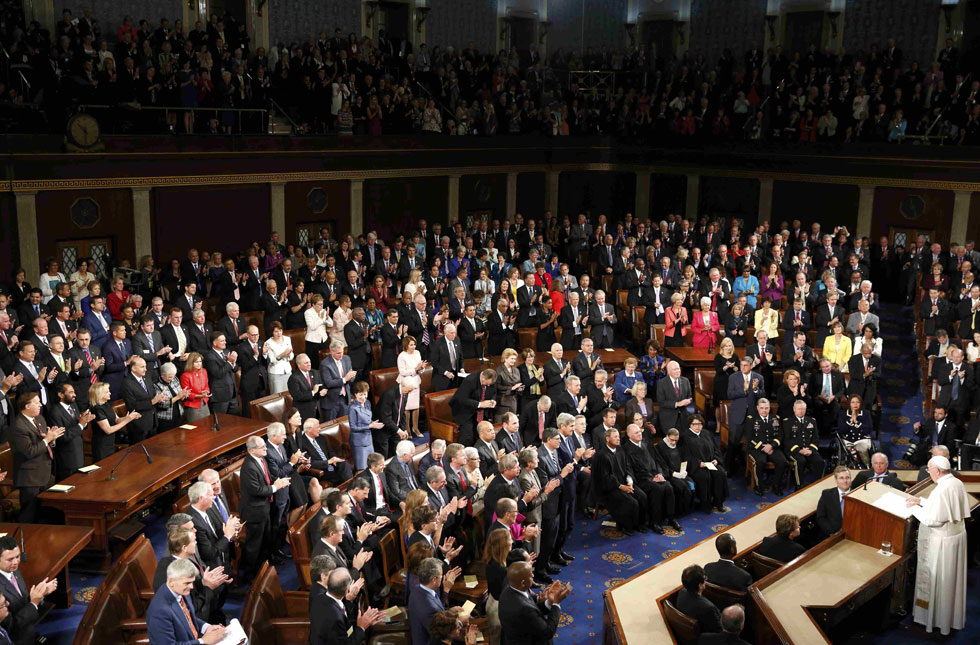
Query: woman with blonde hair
[
  {"x": 195, "y": 379},
  {"x": 414, "y": 285},
  {"x": 499, "y": 544},
  {"x": 837, "y": 348},
  {"x": 343, "y": 315},
  {"x": 676, "y": 321},
  {"x": 509, "y": 386},
  {"x": 726, "y": 364},
  {"x": 410, "y": 366},
  {"x": 278, "y": 351},
  {"x": 106, "y": 424},
  {"x": 318, "y": 321}
]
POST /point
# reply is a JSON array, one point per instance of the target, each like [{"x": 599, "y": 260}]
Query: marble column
[
  {"x": 142, "y": 228},
  {"x": 277, "y": 209},
  {"x": 691, "y": 210},
  {"x": 866, "y": 203},
  {"x": 642, "y": 206},
  {"x": 452, "y": 200},
  {"x": 511, "y": 194},
  {"x": 356, "y": 206},
  {"x": 765, "y": 199},
  {"x": 30, "y": 258},
  {"x": 961, "y": 215}
]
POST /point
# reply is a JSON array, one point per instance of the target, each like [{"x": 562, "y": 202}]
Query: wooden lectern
[{"x": 869, "y": 525}]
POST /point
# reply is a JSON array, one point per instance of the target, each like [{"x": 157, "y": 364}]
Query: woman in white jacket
[{"x": 317, "y": 321}]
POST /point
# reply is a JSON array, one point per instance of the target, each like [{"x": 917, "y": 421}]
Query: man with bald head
[
  {"x": 523, "y": 617},
  {"x": 674, "y": 394},
  {"x": 139, "y": 395},
  {"x": 446, "y": 356},
  {"x": 878, "y": 473}
]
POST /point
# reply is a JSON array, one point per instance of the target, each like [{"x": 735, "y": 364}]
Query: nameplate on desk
[
  {"x": 89, "y": 469},
  {"x": 610, "y": 349},
  {"x": 61, "y": 488},
  {"x": 188, "y": 426},
  {"x": 470, "y": 581}
]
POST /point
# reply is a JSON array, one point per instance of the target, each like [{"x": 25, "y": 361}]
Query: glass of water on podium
[{"x": 886, "y": 548}]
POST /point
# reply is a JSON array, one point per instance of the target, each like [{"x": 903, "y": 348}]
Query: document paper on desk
[
  {"x": 234, "y": 634},
  {"x": 893, "y": 503}
]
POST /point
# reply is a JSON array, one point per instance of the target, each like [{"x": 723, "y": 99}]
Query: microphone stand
[
  {"x": 215, "y": 427},
  {"x": 112, "y": 473}
]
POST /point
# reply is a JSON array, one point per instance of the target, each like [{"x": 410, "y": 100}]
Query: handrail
[
  {"x": 160, "y": 108},
  {"x": 278, "y": 109}
]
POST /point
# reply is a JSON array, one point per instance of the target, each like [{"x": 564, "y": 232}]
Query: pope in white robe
[{"x": 940, "y": 579}]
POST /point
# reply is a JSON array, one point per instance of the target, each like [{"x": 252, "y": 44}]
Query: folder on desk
[
  {"x": 89, "y": 469},
  {"x": 61, "y": 488},
  {"x": 470, "y": 581}
]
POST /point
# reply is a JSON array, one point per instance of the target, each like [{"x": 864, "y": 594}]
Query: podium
[{"x": 870, "y": 525}]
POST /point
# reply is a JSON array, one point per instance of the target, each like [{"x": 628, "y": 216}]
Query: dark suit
[
  {"x": 68, "y": 448},
  {"x": 829, "y": 518},
  {"x": 472, "y": 346},
  {"x": 213, "y": 548},
  {"x": 865, "y": 387},
  {"x": 319, "y": 454},
  {"x": 422, "y": 605},
  {"x": 782, "y": 549},
  {"x": 169, "y": 337},
  {"x": 302, "y": 393},
  {"x": 527, "y": 423},
  {"x": 140, "y": 400},
  {"x": 255, "y": 508},
  {"x": 465, "y": 408},
  {"x": 115, "y": 364},
  {"x": 498, "y": 489},
  {"x": 253, "y": 376},
  {"x": 439, "y": 356},
  {"x": 671, "y": 415},
  {"x": 165, "y": 618},
  {"x": 582, "y": 368},
  {"x": 499, "y": 335},
  {"x": 726, "y": 573},
  {"x": 390, "y": 410},
  {"x": 221, "y": 380},
  {"x": 602, "y": 332},
  {"x": 23, "y": 616},
  {"x": 391, "y": 345},
  {"x": 553, "y": 374},
  {"x": 33, "y": 462},
  {"x": 198, "y": 341},
  {"x": 334, "y": 404},
  {"x": 826, "y": 413},
  {"x": 567, "y": 320},
  {"x": 330, "y": 624},
  {"x": 524, "y": 621},
  {"x": 400, "y": 480},
  {"x": 700, "y": 609},
  {"x": 889, "y": 479},
  {"x": 954, "y": 397},
  {"x": 940, "y": 320},
  {"x": 710, "y": 486},
  {"x": 660, "y": 495},
  {"x": 358, "y": 348},
  {"x": 228, "y": 327},
  {"x": 930, "y": 434}
]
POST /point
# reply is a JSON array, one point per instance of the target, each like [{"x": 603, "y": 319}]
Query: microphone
[
  {"x": 112, "y": 473},
  {"x": 215, "y": 426},
  {"x": 23, "y": 553}
]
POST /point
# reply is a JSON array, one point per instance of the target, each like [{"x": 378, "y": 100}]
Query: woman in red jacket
[
  {"x": 676, "y": 321},
  {"x": 195, "y": 379},
  {"x": 118, "y": 296}
]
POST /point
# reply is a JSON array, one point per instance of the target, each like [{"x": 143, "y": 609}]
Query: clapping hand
[
  {"x": 449, "y": 579},
  {"x": 361, "y": 558},
  {"x": 353, "y": 589}
]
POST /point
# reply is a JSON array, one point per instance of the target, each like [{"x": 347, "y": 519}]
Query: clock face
[{"x": 83, "y": 130}]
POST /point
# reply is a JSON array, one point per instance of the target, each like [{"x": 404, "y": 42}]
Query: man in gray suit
[
  {"x": 337, "y": 372},
  {"x": 148, "y": 345},
  {"x": 31, "y": 440},
  {"x": 400, "y": 477}
]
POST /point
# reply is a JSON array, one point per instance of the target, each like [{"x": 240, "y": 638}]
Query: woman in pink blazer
[
  {"x": 195, "y": 379},
  {"x": 704, "y": 325}
]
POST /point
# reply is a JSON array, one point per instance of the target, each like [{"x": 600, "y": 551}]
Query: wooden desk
[
  {"x": 798, "y": 603},
  {"x": 49, "y": 549},
  {"x": 691, "y": 358},
  {"x": 629, "y": 615},
  {"x": 970, "y": 479},
  {"x": 179, "y": 455}
]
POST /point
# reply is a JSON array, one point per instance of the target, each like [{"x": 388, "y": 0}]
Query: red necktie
[
  {"x": 479, "y": 411},
  {"x": 540, "y": 425},
  {"x": 381, "y": 491},
  {"x": 88, "y": 357},
  {"x": 234, "y": 324},
  {"x": 187, "y": 614},
  {"x": 41, "y": 432},
  {"x": 265, "y": 469},
  {"x": 469, "y": 503},
  {"x": 677, "y": 390},
  {"x": 308, "y": 380}
]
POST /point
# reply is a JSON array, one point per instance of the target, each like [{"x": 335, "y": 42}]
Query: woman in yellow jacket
[
  {"x": 767, "y": 318},
  {"x": 837, "y": 348}
]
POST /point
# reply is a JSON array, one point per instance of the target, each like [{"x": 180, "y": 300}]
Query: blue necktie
[
  {"x": 221, "y": 510},
  {"x": 408, "y": 473}
]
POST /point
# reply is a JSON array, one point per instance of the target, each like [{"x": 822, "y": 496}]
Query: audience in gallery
[
  {"x": 654, "y": 455},
  {"x": 349, "y": 84}
]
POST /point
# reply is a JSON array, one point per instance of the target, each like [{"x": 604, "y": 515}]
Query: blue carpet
[{"x": 604, "y": 557}]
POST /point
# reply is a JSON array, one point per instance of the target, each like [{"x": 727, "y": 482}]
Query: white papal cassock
[{"x": 940, "y": 581}]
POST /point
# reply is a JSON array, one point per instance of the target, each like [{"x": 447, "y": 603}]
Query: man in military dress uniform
[
  {"x": 762, "y": 432},
  {"x": 800, "y": 440}
]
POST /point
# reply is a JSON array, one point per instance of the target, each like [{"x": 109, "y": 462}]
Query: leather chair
[
  {"x": 659, "y": 333},
  {"x": 527, "y": 338},
  {"x": 439, "y": 416},
  {"x": 117, "y": 614},
  {"x": 300, "y": 544},
  {"x": 724, "y": 597},
  {"x": 721, "y": 416},
  {"x": 391, "y": 565},
  {"x": 9, "y": 495},
  {"x": 762, "y": 566},
  {"x": 298, "y": 338},
  {"x": 684, "y": 628},
  {"x": 382, "y": 380},
  {"x": 704, "y": 386},
  {"x": 271, "y": 408},
  {"x": 640, "y": 333},
  {"x": 273, "y": 616},
  {"x": 336, "y": 432},
  {"x": 750, "y": 475}
]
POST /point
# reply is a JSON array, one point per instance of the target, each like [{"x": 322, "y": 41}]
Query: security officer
[
  {"x": 800, "y": 441},
  {"x": 761, "y": 430}
]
